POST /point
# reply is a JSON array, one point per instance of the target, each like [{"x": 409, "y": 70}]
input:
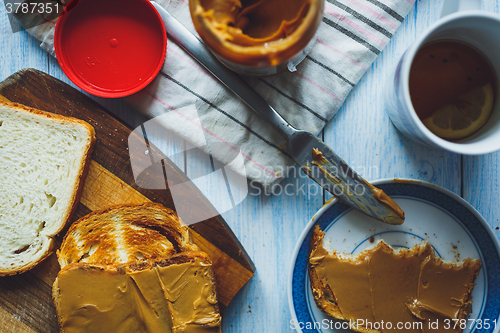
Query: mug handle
[{"x": 453, "y": 6}]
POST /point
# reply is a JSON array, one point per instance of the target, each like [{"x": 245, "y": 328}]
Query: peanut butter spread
[
  {"x": 190, "y": 296},
  {"x": 258, "y": 32},
  {"x": 174, "y": 298},
  {"x": 383, "y": 285},
  {"x": 385, "y": 199},
  {"x": 320, "y": 161},
  {"x": 393, "y": 282},
  {"x": 349, "y": 282},
  {"x": 440, "y": 294}
]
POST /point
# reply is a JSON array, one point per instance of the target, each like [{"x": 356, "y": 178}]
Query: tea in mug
[{"x": 452, "y": 88}]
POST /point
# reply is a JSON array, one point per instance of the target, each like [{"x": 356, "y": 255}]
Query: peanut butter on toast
[
  {"x": 382, "y": 288},
  {"x": 133, "y": 268},
  {"x": 151, "y": 296}
]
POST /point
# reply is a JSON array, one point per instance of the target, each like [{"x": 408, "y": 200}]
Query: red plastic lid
[{"x": 110, "y": 48}]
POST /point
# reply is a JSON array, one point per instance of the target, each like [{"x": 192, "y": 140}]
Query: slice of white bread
[
  {"x": 44, "y": 158},
  {"x": 125, "y": 234},
  {"x": 148, "y": 296},
  {"x": 399, "y": 271}
]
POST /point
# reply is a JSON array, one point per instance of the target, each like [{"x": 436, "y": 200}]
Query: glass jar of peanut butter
[{"x": 258, "y": 37}]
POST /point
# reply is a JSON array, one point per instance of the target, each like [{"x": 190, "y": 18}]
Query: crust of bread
[
  {"x": 180, "y": 258},
  {"x": 82, "y": 173},
  {"x": 147, "y": 229},
  {"x": 29, "y": 265}
]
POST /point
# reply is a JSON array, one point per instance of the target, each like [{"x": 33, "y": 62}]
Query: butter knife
[{"x": 314, "y": 157}]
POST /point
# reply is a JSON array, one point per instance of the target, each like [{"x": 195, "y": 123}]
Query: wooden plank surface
[
  {"x": 111, "y": 182},
  {"x": 481, "y": 174},
  {"x": 363, "y": 134},
  {"x": 269, "y": 226}
]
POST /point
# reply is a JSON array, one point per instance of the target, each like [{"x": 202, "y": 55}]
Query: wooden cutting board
[{"x": 25, "y": 300}]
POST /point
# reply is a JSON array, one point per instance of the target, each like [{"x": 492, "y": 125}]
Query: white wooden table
[{"x": 269, "y": 226}]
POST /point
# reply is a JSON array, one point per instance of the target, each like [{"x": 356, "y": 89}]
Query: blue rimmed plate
[{"x": 452, "y": 226}]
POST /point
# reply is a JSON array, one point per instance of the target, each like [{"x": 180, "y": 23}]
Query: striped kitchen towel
[{"x": 197, "y": 107}]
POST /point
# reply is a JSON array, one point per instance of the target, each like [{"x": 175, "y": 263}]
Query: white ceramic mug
[{"x": 461, "y": 20}]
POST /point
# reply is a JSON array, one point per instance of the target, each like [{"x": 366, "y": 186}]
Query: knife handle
[{"x": 185, "y": 39}]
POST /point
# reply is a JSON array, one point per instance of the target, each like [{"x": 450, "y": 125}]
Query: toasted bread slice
[
  {"x": 125, "y": 234},
  {"x": 322, "y": 292},
  {"x": 395, "y": 285},
  {"x": 175, "y": 294},
  {"x": 44, "y": 159}
]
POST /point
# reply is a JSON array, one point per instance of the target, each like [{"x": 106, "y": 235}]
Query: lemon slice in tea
[{"x": 464, "y": 116}]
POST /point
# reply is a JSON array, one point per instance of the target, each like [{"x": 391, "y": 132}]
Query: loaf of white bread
[
  {"x": 44, "y": 158},
  {"x": 383, "y": 289},
  {"x": 134, "y": 268}
]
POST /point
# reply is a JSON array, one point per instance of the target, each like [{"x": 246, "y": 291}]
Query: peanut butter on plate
[
  {"x": 443, "y": 292},
  {"x": 349, "y": 281},
  {"x": 393, "y": 281},
  {"x": 411, "y": 287}
]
